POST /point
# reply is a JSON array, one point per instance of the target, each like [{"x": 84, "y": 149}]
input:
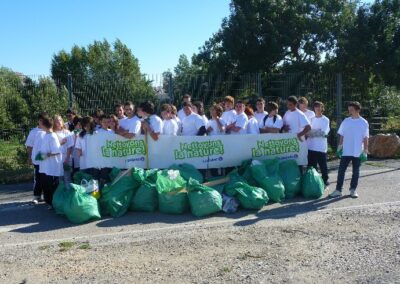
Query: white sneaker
[
  {"x": 353, "y": 193},
  {"x": 336, "y": 193},
  {"x": 36, "y": 200}
]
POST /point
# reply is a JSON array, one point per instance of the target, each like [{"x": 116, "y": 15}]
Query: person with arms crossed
[
  {"x": 353, "y": 141},
  {"x": 216, "y": 125},
  {"x": 239, "y": 125},
  {"x": 229, "y": 114},
  {"x": 192, "y": 124},
  {"x": 273, "y": 122},
  {"x": 131, "y": 125}
]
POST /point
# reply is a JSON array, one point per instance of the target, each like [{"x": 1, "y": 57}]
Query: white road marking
[{"x": 192, "y": 225}]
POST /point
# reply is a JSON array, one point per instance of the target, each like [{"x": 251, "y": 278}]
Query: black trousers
[
  {"x": 315, "y": 159},
  {"x": 50, "y": 184},
  {"x": 37, "y": 185}
]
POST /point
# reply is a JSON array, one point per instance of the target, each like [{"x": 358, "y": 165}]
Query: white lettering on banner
[{"x": 107, "y": 150}]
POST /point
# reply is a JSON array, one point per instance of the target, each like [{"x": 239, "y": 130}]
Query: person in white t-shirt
[
  {"x": 70, "y": 114},
  {"x": 303, "y": 106},
  {"x": 151, "y": 123},
  {"x": 170, "y": 126},
  {"x": 192, "y": 124},
  {"x": 105, "y": 121},
  {"x": 198, "y": 107},
  {"x": 273, "y": 122},
  {"x": 239, "y": 126},
  {"x": 88, "y": 128},
  {"x": 216, "y": 125},
  {"x": 50, "y": 165},
  {"x": 75, "y": 157},
  {"x": 32, "y": 145},
  {"x": 317, "y": 141},
  {"x": 252, "y": 124},
  {"x": 181, "y": 113},
  {"x": 229, "y": 115},
  {"x": 131, "y": 125},
  {"x": 294, "y": 120},
  {"x": 260, "y": 112},
  {"x": 174, "y": 116},
  {"x": 354, "y": 134},
  {"x": 119, "y": 111}
]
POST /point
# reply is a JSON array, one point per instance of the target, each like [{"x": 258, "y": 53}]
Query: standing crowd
[{"x": 57, "y": 149}]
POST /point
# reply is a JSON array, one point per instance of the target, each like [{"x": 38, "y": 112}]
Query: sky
[{"x": 157, "y": 31}]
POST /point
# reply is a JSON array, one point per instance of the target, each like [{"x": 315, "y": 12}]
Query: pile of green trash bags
[
  {"x": 312, "y": 184},
  {"x": 203, "y": 200}
]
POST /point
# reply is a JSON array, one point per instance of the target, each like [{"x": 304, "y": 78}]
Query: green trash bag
[
  {"x": 234, "y": 177},
  {"x": 339, "y": 153},
  {"x": 203, "y": 200},
  {"x": 80, "y": 175},
  {"x": 145, "y": 198},
  {"x": 217, "y": 187},
  {"x": 188, "y": 171},
  {"x": 290, "y": 173},
  {"x": 172, "y": 194},
  {"x": 250, "y": 197},
  {"x": 267, "y": 176},
  {"x": 245, "y": 171},
  {"x": 80, "y": 207},
  {"x": 115, "y": 199},
  {"x": 363, "y": 157},
  {"x": 114, "y": 173},
  {"x": 59, "y": 198},
  {"x": 312, "y": 184}
]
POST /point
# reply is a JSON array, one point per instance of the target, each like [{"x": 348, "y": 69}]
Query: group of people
[{"x": 57, "y": 149}]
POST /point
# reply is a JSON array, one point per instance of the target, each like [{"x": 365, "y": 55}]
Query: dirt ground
[{"x": 323, "y": 241}]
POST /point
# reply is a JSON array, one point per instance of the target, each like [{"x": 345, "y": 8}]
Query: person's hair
[
  {"x": 292, "y": 99},
  {"x": 272, "y": 106},
  {"x": 76, "y": 120},
  {"x": 166, "y": 107},
  {"x": 187, "y": 104},
  {"x": 104, "y": 116},
  {"x": 129, "y": 103},
  {"x": 71, "y": 111},
  {"x": 260, "y": 100},
  {"x": 42, "y": 115},
  {"x": 87, "y": 121},
  {"x": 302, "y": 100},
  {"x": 229, "y": 99},
  {"x": 249, "y": 111},
  {"x": 355, "y": 105},
  {"x": 174, "y": 110},
  {"x": 58, "y": 117},
  {"x": 200, "y": 107},
  {"x": 98, "y": 113},
  {"x": 47, "y": 122},
  {"x": 187, "y": 96},
  {"x": 218, "y": 109},
  {"x": 118, "y": 106},
  {"x": 147, "y": 107},
  {"x": 239, "y": 102},
  {"x": 318, "y": 104}
]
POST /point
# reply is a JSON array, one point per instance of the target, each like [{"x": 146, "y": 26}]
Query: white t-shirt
[
  {"x": 34, "y": 140},
  {"x": 296, "y": 120},
  {"x": 309, "y": 114},
  {"x": 53, "y": 165},
  {"x": 132, "y": 125},
  {"x": 75, "y": 156},
  {"x": 181, "y": 114},
  {"x": 269, "y": 122},
  {"x": 70, "y": 142},
  {"x": 229, "y": 116},
  {"x": 170, "y": 127},
  {"x": 319, "y": 144},
  {"x": 191, "y": 124},
  {"x": 108, "y": 131},
  {"x": 81, "y": 145},
  {"x": 260, "y": 117},
  {"x": 122, "y": 118},
  {"x": 253, "y": 126},
  {"x": 241, "y": 121},
  {"x": 214, "y": 125},
  {"x": 156, "y": 124},
  {"x": 205, "y": 119},
  {"x": 353, "y": 131}
]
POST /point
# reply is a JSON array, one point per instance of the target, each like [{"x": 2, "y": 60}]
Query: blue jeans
[{"x": 344, "y": 162}]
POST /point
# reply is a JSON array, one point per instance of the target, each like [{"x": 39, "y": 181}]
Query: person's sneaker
[
  {"x": 353, "y": 193},
  {"x": 36, "y": 200},
  {"x": 336, "y": 193}
]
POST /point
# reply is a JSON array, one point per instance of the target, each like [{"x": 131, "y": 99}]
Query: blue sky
[{"x": 157, "y": 31}]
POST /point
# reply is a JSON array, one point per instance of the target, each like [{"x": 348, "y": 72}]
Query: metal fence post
[
  {"x": 339, "y": 99},
  {"x": 69, "y": 87},
  {"x": 170, "y": 88},
  {"x": 259, "y": 85}
]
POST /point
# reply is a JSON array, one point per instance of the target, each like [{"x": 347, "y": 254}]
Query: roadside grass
[
  {"x": 13, "y": 161},
  {"x": 64, "y": 246}
]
